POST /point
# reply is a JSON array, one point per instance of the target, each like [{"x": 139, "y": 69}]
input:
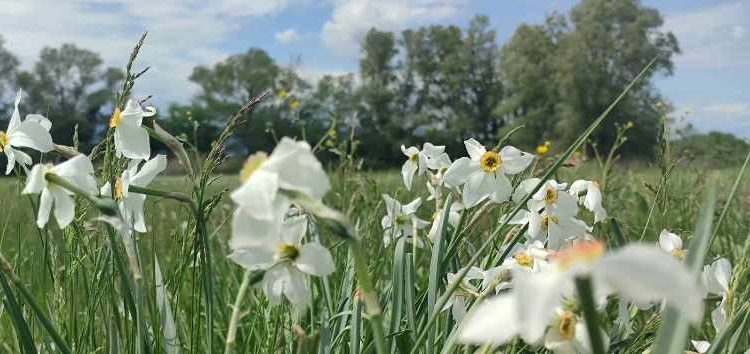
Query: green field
[{"x": 71, "y": 275}]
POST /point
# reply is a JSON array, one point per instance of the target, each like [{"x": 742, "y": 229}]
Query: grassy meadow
[{"x": 69, "y": 273}]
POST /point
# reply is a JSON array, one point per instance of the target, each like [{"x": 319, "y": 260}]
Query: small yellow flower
[
  {"x": 294, "y": 105},
  {"x": 544, "y": 148},
  {"x": 629, "y": 124},
  {"x": 282, "y": 94}
]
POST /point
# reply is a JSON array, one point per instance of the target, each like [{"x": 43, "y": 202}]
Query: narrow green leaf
[{"x": 436, "y": 270}]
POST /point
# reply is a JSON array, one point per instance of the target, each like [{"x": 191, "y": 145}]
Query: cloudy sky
[{"x": 711, "y": 81}]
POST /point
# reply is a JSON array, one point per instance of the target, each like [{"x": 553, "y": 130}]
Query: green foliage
[
  {"x": 8, "y": 68},
  {"x": 714, "y": 149}
]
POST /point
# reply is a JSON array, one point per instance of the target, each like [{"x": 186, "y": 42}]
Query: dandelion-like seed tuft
[{"x": 491, "y": 161}]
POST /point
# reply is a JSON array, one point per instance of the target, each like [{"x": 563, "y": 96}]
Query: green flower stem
[
  {"x": 164, "y": 194},
  {"x": 369, "y": 296},
  {"x": 106, "y": 205},
  {"x": 585, "y": 290},
  {"x": 248, "y": 279}
]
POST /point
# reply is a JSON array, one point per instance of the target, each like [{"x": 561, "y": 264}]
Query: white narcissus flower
[
  {"x": 671, "y": 243},
  {"x": 568, "y": 334},
  {"x": 716, "y": 279},
  {"x": 531, "y": 257},
  {"x": 431, "y": 156},
  {"x": 32, "y": 133},
  {"x": 401, "y": 220},
  {"x": 483, "y": 173},
  {"x": 131, "y": 204},
  {"x": 282, "y": 254},
  {"x": 77, "y": 171},
  {"x": 454, "y": 215},
  {"x": 464, "y": 293},
  {"x": 554, "y": 227},
  {"x": 131, "y": 139},
  {"x": 635, "y": 272},
  {"x": 552, "y": 198},
  {"x": 592, "y": 200},
  {"x": 291, "y": 166}
]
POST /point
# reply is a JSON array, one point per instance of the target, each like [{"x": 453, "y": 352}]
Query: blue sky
[{"x": 711, "y": 81}]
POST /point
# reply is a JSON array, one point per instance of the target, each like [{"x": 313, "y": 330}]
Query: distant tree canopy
[{"x": 440, "y": 83}]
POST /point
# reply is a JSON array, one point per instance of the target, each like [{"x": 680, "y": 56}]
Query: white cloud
[
  {"x": 182, "y": 34},
  {"x": 713, "y": 37},
  {"x": 351, "y": 19},
  {"x": 732, "y": 109},
  {"x": 287, "y": 36}
]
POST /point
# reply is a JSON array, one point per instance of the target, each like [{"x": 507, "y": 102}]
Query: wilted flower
[
  {"x": 32, "y": 133},
  {"x": 592, "y": 200},
  {"x": 276, "y": 247},
  {"x": 131, "y": 204},
  {"x": 291, "y": 166},
  {"x": 464, "y": 293},
  {"x": 131, "y": 139},
  {"x": 431, "y": 156},
  {"x": 77, "y": 171},
  {"x": 401, "y": 220},
  {"x": 483, "y": 173}
]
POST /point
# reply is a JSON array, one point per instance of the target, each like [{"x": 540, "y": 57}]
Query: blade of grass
[
  {"x": 436, "y": 269},
  {"x": 25, "y": 339},
  {"x": 673, "y": 332}
]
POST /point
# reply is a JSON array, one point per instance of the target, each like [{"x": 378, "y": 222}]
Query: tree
[
  {"x": 71, "y": 86},
  {"x": 608, "y": 44},
  {"x": 8, "y": 67}
]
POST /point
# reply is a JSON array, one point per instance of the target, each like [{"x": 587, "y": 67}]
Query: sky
[{"x": 710, "y": 85}]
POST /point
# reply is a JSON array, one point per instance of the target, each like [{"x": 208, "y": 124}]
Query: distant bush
[{"x": 714, "y": 149}]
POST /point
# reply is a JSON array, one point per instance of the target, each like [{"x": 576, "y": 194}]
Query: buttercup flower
[
  {"x": 284, "y": 257},
  {"x": 431, "y": 156},
  {"x": 592, "y": 200},
  {"x": 291, "y": 166},
  {"x": 78, "y": 171},
  {"x": 543, "y": 149},
  {"x": 131, "y": 204},
  {"x": 401, "y": 220},
  {"x": 483, "y": 173},
  {"x": 31, "y": 133}
]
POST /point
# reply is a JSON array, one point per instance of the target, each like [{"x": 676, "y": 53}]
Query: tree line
[{"x": 439, "y": 83}]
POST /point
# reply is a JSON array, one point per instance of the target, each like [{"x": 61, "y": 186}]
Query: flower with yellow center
[
  {"x": 490, "y": 161},
  {"x": 282, "y": 94},
  {"x": 554, "y": 224},
  {"x": 419, "y": 161},
  {"x": 534, "y": 308},
  {"x": 464, "y": 294},
  {"x": 291, "y": 167},
  {"x": 483, "y": 174},
  {"x": 33, "y": 133},
  {"x": 77, "y": 171},
  {"x": 524, "y": 259},
  {"x": 137, "y": 174},
  {"x": 671, "y": 243},
  {"x": 294, "y": 105},
  {"x": 280, "y": 252},
  {"x": 131, "y": 139},
  {"x": 401, "y": 220}
]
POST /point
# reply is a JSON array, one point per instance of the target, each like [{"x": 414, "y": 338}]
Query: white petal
[
  {"x": 134, "y": 207},
  {"x": 10, "y": 154},
  {"x": 253, "y": 258},
  {"x": 719, "y": 316},
  {"x": 132, "y": 115},
  {"x": 433, "y": 151},
  {"x": 700, "y": 346},
  {"x": 669, "y": 241},
  {"x": 476, "y": 188},
  {"x": 474, "y": 149},
  {"x": 15, "y": 118},
  {"x": 298, "y": 168},
  {"x": 499, "y": 185},
  {"x": 149, "y": 171},
  {"x": 407, "y": 173},
  {"x": 45, "y": 206},
  {"x": 64, "y": 206},
  {"x": 412, "y": 207},
  {"x": 295, "y": 288},
  {"x": 77, "y": 165},
  {"x": 646, "y": 274},
  {"x": 493, "y": 321},
  {"x": 294, "y": 229},
  {"x": 258, "y": 194},
  {"x": 537, "y": 296},
  {"x": 410, "y": 151},
  {"x": 31, "y": 135},
  {"x": 514, "y": 160},
  {"x": 39, "y": 119},
  {"x": 249, "y": 231},
  {"x": 35, "y": 181},
  {"x": 132, "y": 142},
  {"x": 458, "y": 173},
  {"x": 315, "y": 259},
  {"x": 524, "y": 188}
]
